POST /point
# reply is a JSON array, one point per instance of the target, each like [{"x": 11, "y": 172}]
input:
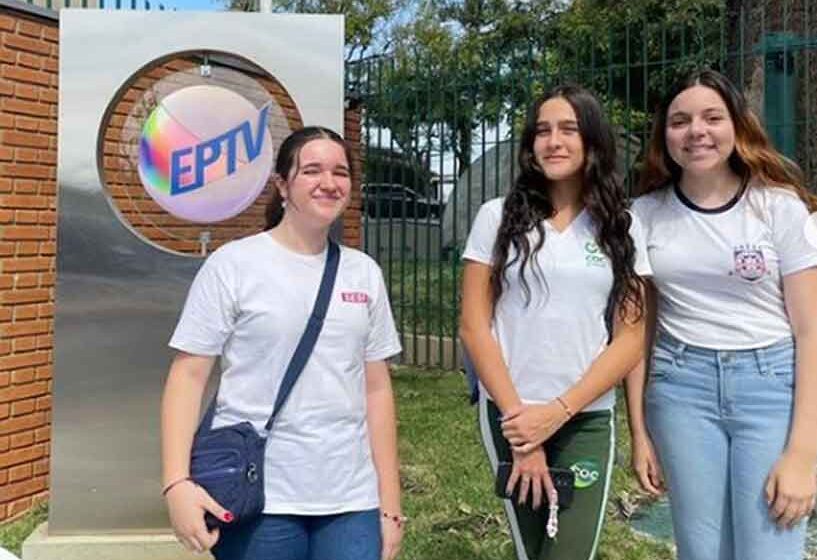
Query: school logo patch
[
  {"x": 586, "y": 472},
  {"x": 355, "y": 297},
  {"x": 593, "y": 255},
  {"x": 750, "y": 264}
]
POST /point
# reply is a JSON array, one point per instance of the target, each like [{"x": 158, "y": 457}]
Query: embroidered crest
[{"x": 750, "y": 264}]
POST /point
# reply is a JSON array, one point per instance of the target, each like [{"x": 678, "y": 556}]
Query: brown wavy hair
[
  {"x": 529, "y": 203},
  {"x": 753, "y": 157}
]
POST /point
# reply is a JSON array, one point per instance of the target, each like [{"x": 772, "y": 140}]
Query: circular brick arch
[{"x": 121, "y": 131}]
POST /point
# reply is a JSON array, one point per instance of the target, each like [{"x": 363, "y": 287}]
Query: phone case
[{"x": 563, "y": 480}]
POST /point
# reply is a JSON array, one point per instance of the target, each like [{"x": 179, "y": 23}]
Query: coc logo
[
  {"x": 205, "y": 153},
  {"x": 586, "y": 473}
]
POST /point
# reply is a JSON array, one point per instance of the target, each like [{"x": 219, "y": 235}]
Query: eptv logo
[{"x": 205, "y": 153}]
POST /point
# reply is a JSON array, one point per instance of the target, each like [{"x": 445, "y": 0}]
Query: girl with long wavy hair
[
  {"x": 542, "y": 267},
  {"x": 730, "y": 404}
]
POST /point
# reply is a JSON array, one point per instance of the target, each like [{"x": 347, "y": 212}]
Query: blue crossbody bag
[{"x": 228, "y": 462}]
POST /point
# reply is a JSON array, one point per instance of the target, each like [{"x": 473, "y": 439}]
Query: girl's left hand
[
  {"x": 791, "y": 489},
  {"x": 532, "y": 425},
  {"x": 392, "y": 534}
]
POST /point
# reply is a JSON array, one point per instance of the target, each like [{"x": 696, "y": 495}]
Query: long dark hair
[
  {"x": 529, "y": 202},
  {"x": 288, "y": 155},
  {"x": 753, "y": 156}
]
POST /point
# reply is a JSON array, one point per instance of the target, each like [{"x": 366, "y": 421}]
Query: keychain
[{"x": 553, "y": 516}]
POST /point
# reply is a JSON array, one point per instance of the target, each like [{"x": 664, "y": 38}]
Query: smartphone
[{"x": 563, "y": 480}]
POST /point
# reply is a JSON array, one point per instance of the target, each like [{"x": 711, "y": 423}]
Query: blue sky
[{"x": 208, "y": 5}]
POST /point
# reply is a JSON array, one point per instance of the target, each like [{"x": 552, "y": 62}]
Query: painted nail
[{"x": 228, "y": 517}]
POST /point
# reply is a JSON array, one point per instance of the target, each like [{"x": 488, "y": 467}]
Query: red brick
[
  {"x": 11, "y": 492},
  {"x": 24, "y": 91},
  {"x": 21, "y": 408},
  {"x": 47, "y": 218},
  {"x": 48, "y": 127},
  {"x": 21, "y": 107},
  {"x": 7, "y": 23},
  {"x": 13, "y": 138},
  {"x": 6, "y": 217},
  {"x": 19, "y": 506},
  {"x": 24, "y": 281},
  {"x": 29, "y": 60},
  {"x": 41, "y": 467},
  {"x": 51, "y": 65},
  {"x": 25, "y": 344},
  {"x": 27, "y": 170},
  {"x": 8, "y": 56},
  {"x": 22, "y": 423},
  {"x": 21, "y": 472},
  {"x": 23, "y": 439},
  {"x": 17, "y": 361},
  {"x": 6, "y": 154},
  {"x": 51, "y": 34},
  {"x": 44, "y": 403},
  {"x": 5, "y": 410},
  {"x": 28, "y": 264},
  {"x": 6, "y": 121},
  {"x": 48, "y": 248},
  {"x": 26, "y": 155},
  {"x": 13, "y": 233},
  {"x": 44, "y": 373},
  {"x": 45, "y": 342},
  {"x": 29, "y": 28},
  {"x": 48, "y": 95},
  {"x": 46, "y": 281},
  {"x": 22, "y": 376},
  {"x": 5, "y": 444},
  {"x": 23, "y": 328},
  {"x": 4, "y": 477},
  {"x": 26, "y": 44},
  {"x": 42, "y": 434},
  {"x": 23, "y": 217},
  {"x": 6, "y": 88},
  {"x": 27, "y": 248},
  {"x": 6, "y": 185},
  {"x": 26, "y": 186}
]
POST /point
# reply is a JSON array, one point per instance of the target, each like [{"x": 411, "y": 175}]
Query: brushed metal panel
[{"x": 118, "y": 296}]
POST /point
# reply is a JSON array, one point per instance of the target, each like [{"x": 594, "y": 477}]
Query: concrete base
[{"x": 42, "y": 546}]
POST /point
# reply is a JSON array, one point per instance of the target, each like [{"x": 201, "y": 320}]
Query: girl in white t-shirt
[
  {"x": 731, "y": 398},
  {"x": 541, "y": 267},
  {"x": 330, "y": 475}
]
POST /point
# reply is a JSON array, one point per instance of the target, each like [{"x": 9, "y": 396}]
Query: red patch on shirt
[{"x": 355, "y": 297}]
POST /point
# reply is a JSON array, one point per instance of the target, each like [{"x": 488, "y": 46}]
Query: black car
[{"x": 391, "y": 200}]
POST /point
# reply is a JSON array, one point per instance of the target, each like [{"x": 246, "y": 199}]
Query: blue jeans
[
  {"x": 344, "y": 536},
  {"x": 719, "y": 421}
]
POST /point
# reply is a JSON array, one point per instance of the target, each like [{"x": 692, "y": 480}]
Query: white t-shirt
[
  {"x": 550, "y": 343},
  {"x": 719, "y": 272},
  {"x": 249, "y": 303}
]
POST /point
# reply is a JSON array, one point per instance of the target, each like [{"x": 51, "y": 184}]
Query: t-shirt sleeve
[
  {"x": 209, "y": 313},
  {"x": 639, "y": 236},
  {"x": 383, "y": 341},
  {"x": 480, "y": 244},
  {"x": 791, "y": 235}
]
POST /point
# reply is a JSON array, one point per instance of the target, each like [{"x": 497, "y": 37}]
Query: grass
[{"x": 13, "y": 534}]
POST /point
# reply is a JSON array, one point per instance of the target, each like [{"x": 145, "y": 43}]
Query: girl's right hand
[
  {"x": 646, "y": 466},
  {"x": 187, "y": 503},
  {"x": 531, "y": 471}
]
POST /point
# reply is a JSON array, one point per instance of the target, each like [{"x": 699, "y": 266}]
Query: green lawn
[{"x": 447, "y": 483}]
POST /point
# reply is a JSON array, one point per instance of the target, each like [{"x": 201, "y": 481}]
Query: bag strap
[
  {"x": 313, "y": 328},
  {"x": 305, "y": 345}
]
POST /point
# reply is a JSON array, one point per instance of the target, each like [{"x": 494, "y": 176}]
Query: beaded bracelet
[
  {"x": 566, "y": 406},
  {"x": 170, "y": 486},
  {"x": 399, "y": 520}
]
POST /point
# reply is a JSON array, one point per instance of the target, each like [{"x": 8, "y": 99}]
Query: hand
[
  {"x": 531, "y": 425},
  {"x": 646, "y": 466},
  {"x": 791, "y": 488},
  {"x": 531, "y": 471},
  {"x": 392, "y": 534},
  {"x": 187, "y": 502}
]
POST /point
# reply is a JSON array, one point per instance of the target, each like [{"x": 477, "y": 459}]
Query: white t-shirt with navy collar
[
  {"x": 550, "y": 343},
  {"x": 719, "y": 271},
  {"x": 249, "y": 304}
]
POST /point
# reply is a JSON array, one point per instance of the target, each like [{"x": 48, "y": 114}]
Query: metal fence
[{"x": 442, "y": 131}]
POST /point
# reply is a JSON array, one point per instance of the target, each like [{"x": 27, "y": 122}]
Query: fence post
[{"x": 780, "y": 91}]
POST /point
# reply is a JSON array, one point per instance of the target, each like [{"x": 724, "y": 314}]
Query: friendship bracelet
[
  {"x": 566, "y": 406},
  {"x": 170, "y": 486},
  {"x": 399, "y": 520}
]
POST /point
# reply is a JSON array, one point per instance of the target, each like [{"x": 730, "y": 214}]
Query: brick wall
[{"x": 28, "y": 151}]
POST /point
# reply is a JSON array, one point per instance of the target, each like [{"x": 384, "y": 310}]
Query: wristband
[
  {"x": 566, "y": 406},
  {"x": 399, "y": 520},
  {"x": 176, "y": 482}
]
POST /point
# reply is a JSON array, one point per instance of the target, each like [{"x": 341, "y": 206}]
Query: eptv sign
[{"x": 205, "y": 153}]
